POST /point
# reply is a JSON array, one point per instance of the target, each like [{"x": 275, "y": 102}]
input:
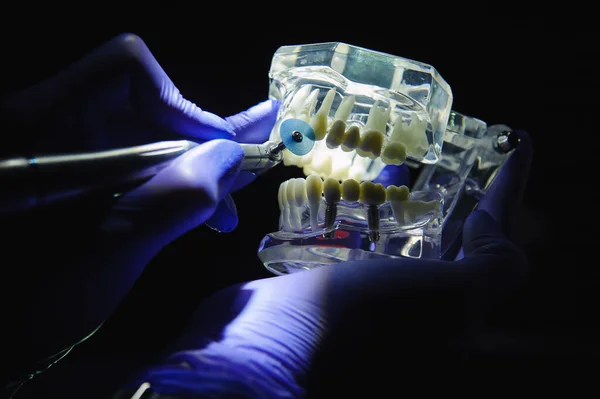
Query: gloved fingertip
[
  {"x": 244, "y": 178},
  {"x": 254, "y": 125},
  {"x": 225, "y": 218},
  {"x": 482, "y": 234},
  {"x": 227, "y": 156},
  {"x": 202, "y": 125},
  {"x": 525, "y": 142},
  {"x": 505, "y": 195}
]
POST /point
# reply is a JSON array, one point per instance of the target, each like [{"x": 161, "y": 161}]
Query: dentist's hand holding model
[{"x": 316, "y": 333}]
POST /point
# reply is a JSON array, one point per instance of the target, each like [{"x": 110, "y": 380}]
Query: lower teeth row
[{"x": 321, "y": 199}]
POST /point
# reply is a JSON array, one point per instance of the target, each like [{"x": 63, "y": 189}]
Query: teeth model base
[{"x": 320, "y": 218}]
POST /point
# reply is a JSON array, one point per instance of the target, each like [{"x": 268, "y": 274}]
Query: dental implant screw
[
  {"x": 506, "y": 141},
  {"x": 373, "y": 222},
  {"x": 297, "y": 136},
  {"x": 330, "y": 215}
]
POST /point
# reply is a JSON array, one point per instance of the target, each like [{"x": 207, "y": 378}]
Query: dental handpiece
[{"x": 27, "y": 182}]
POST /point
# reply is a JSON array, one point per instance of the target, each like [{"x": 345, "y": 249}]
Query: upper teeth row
[
  {"x": 296, "y": 194},
  {"x": 344, "y": 136}
]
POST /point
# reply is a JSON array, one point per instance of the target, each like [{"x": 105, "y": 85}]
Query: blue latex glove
[
  {"x": 114, "y": 97},
  {"x": 364, "y": 326}
]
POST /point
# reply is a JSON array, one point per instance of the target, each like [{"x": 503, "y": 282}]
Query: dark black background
[{"x": 528, "y": 72}]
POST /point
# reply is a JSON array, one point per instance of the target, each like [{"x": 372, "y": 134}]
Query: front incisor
[{"x": 314, "y": 188}]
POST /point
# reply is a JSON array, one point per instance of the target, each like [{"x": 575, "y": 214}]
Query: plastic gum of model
[{"x": 368, "y": 110}]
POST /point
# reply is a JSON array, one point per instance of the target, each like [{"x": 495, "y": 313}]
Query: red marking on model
[{"x": 339, "y": 234}]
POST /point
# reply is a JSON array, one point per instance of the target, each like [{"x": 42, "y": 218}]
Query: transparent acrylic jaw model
[{"x": 367, "y": 110}]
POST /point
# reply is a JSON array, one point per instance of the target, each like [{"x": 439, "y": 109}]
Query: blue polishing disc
[{"x": 297, "y": 136}]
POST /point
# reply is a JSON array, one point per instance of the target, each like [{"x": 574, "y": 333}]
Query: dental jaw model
[{"x": 367, "y": 110}]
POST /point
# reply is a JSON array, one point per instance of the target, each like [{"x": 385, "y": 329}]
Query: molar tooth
[
  {"x": 345, "y": 109},
  {"x": 314, "y": 189},
  {"x": 336, "y": 134},
  {"x": 393, "y": 153},
  {"x": 319, "y": 120},
  {"x": 309, "y": 105},
  {"x": 351, "y": 139},
  {"x": 370, "y": 144},
  {"x": 372, "y": 195},
  {"x": 332, "y": 193},
  {"x": 412, "y": 135},
  {"x": 398, "y": 196},
  {"x": 350, "y": 190}
]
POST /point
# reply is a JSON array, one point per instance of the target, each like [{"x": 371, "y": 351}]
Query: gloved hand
[
  {"x": 72, "y": 269},
  {"x": 363, "y": 326}
]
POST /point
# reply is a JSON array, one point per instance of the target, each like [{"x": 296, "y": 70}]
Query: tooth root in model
[
  {"x": 372, "y": 195},
  {"x": 298, "y": 101},
  {"x": 287, "y": 226},
  {"x": 294, "y": 214},
  {"x": 345, "y": 109},
  {"x": 398, "y": 198},
  {"x": 300, "y": 198},
  {"x": 281, "y": 203},
  {"x": 319, "y": 120},
  {"x": 332, "y": 192},
  {"x": 372, "y": 138},
  {"x": 309, "y": 106},
  {"x": 314, "y": 189},
  {"x": 378, "y": 117},
  {"x": 413, "y": 210},
  {"x": 413, "y": 135},
  {"x": 335, "y": 136}
]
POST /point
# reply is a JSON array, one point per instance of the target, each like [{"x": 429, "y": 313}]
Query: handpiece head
[{"x": 297, "y": 136}]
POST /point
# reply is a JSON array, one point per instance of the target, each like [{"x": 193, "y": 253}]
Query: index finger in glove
[{"x": 505, "y": 195}]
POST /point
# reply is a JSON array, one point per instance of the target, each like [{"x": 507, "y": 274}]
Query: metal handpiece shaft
[
  {"x": 259, "y": 158},
  {"x": 30, "y": 181}
]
